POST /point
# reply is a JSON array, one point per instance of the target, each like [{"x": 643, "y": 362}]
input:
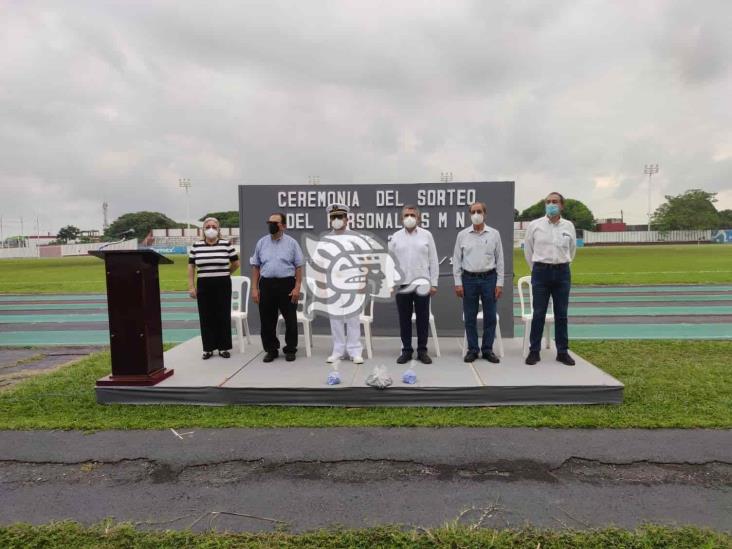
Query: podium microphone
[{"x": 121, "y": 237}]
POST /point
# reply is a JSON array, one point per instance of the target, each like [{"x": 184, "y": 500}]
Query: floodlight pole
[
  {"x": 186, "y": 184},
  {"x": 649, "y": 170}
]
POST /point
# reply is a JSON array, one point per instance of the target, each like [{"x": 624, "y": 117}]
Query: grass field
[
  {"x": 67, "y": 534},
  {"x": 684, "y": 264},
  {"x": 668, "y": 384}
]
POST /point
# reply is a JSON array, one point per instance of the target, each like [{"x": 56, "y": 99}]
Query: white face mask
[
  {"x": 337, "y": 224},
  {"x": 409, "y": 222},
  {"x": 476, "y": 218},
  {"x": 211, "y": 233}
]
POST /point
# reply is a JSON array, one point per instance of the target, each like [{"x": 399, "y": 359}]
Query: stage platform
[{"x": 448, "y": 381}]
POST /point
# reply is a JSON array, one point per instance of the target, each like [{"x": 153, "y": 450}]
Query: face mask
[
  {"x": 476, "y": 218},
  {"x": 409, "y": 222},
  {"x": 552, "y": 210},
  {"x": 273, "y": 227},
  {"x": 211, "y": 233},
  {"x": 337, "y": 224}
]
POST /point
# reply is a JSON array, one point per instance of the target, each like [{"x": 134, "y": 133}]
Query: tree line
[{"x": 693, "y": 209}]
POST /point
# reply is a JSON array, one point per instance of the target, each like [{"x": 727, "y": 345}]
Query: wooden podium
[{"x": 135, "y": 325}]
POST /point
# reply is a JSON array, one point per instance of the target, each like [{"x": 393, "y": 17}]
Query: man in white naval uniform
[{"x": 346, "y": 332}]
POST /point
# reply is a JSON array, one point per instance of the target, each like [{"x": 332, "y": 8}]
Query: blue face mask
[{"x": 552, "y": 210}]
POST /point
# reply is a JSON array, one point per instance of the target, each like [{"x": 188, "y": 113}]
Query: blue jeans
[
  {"x": 554, "y": 282},
  {"x": 477, "y": 289}
]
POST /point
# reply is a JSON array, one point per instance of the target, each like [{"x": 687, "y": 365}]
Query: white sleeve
[
  {"x": 529, "y": 245},
  {"x": 573, "y": 243},
  {"x": 457, "y": 262},
  {"x": 499, "y": 260},
  {"x": 434, "y": 263}
]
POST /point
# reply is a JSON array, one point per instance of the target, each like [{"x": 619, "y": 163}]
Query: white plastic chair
[
  {"x": 366, "y": 320},
  {"x": 302, "y": 318},
  {"x": 498, "y": 340},
  {"x": 524, "y": 283},
  {"x": 240, "y": 290},
  {"x": 433, "y": 329}
]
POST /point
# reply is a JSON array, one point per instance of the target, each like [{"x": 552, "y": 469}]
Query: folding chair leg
[
  {"x": 308, "y": 340},
  {"x": 499, "y": 339},
  {"x": 548, "y": 335},
  {"x": 246, "y": 330},
  {"x": 527, "y": 330},
  {"x": 435, "y": 340},
  {"x": 240, "y": 335},
  {"x": 367, "y": 337}
]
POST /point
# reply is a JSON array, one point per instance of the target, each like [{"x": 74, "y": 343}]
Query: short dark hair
[
  {"x": 561, "y": 198},
  {"x": 283, "y": 217},
  {"x": 481, "y": 204},
  {"x": 411, "y": 207}
]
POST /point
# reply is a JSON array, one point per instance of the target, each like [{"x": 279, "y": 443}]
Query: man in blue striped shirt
[{"x": 276, "y": 280}]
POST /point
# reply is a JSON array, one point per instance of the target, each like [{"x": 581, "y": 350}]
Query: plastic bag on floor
[
  {"x": 379, "y": 378},
  {"x": 334, "y": 378},
  {"x": 409, "y": 377}
]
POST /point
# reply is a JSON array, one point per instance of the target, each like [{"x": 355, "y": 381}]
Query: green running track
[{"x": 596, "y": 312}]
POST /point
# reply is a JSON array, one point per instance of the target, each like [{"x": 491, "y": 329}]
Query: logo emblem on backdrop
[{"x": 344, "y": 270}]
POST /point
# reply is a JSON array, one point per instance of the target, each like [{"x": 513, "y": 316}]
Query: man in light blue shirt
[
  {"x": 276, "y": 280},
  {"x": 477, "y": 265}
]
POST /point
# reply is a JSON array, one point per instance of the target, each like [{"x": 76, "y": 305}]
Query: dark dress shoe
[
  {"x": 206, "y": 355},
  {"x": 470, "y": 356},
  {"x": 424, "y": 358},
  {"x": 533, "y": 358},
  {"x": 270, "y": 356},
  {"x": 404, "y": 358},
  {"x": 564, "y": 358},
  {"x": 224, "y": 354},
  {"x": 289, "y": 357},
  {"x": 490, "y": 356}
]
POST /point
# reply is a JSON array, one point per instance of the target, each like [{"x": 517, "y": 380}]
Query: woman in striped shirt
[{"x": 214, "y": 259}]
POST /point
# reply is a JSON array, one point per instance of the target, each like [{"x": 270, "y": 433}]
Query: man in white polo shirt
[
  {"x": 413, "y": 248},
  {"x": 549, "y": 248}
]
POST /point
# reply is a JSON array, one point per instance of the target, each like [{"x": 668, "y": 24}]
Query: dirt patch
[
  {"x": 17, "y": 365},
  {"x": 711, "y": 475}
]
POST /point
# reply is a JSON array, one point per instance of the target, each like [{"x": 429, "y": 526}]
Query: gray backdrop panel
[{"x": 442, "y": 204}]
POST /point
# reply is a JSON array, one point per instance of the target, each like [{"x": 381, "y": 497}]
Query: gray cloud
[{"x": 117, "y": 100}]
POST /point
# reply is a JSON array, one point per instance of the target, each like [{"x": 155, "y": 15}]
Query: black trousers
[
  {"x": 407, "y": 304},
  {"x": 214, "y": 312},
  {"x": 274, "y": 300}
]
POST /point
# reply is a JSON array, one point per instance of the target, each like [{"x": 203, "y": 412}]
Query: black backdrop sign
[{"x": 377, "y": 209}]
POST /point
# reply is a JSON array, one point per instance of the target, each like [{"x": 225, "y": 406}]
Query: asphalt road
[{"x": 252, "y": 479}]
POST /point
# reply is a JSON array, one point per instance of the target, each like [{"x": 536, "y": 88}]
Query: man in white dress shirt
[
  {"x": 413, "y": 248},
  {"x": 549, "y": 248},
  {"x": 346, "y": 332},
  {"x": 477, "y": 266}
]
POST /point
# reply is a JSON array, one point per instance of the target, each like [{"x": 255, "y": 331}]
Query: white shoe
[
  {"x": 333, "y": 358},
  {"x": 357, "y": 359}
]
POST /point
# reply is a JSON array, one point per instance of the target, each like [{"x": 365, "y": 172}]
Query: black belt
[
  {"x": 551, "y": 265},
  {"x": 483, "y": 274}
]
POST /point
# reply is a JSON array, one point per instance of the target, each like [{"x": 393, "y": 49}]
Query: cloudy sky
[{"x": 116, "y": 101}]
